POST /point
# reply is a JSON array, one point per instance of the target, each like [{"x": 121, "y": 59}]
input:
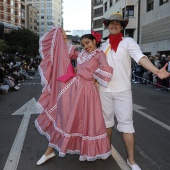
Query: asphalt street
[{"x": 21, "y": 145}]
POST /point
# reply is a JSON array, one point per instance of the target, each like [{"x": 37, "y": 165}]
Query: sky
[{"x": 77, "y": 14}]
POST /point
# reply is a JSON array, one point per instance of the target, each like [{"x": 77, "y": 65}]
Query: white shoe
[
  {"x": 134, "y": 166},
  {"x": 45, "y": 158}
]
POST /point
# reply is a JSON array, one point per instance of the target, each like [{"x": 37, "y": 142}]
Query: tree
[
  {"x": 24, "y": 41},
  {"x": 3, "y": 46}
]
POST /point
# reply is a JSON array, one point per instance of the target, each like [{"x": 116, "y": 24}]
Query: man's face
[
  {"x": 115, "y": 27},
  {"x": 168, "y": 58}
]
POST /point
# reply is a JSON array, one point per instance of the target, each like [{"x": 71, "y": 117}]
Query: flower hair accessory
[{"x": 97, "y": 36}]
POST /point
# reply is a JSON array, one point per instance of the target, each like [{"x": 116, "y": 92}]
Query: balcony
[
  {"x": 97, "y": 4},
  {"x": 98, "y": 26},
  {"x": 97, "y": 15}
]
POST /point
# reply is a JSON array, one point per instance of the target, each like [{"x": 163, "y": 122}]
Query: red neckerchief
[{"x": 115, "y": 40}]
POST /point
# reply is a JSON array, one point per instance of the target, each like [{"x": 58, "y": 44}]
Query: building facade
[
  {"x": 31, "y": 18},
  {"x": 10, "y": 17},
  {"x": 49, "y": 15},
  {"x": 97, "y": 15},
  {"x": 155, "y": 27},
  {"x": 149, "y": 22},
  {"x": 10, "y": 12}
]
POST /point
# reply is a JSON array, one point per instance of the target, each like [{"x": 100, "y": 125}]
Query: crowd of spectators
[
  {"x": 15, "y": 68},
  {"x": 141, "y": 75}
]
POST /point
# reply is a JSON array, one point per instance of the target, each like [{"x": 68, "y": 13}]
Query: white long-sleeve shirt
[{"x": 121, "y": 63}]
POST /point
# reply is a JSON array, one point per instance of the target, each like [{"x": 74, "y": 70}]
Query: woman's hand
[
  {"x": 75, "y": 70},
  {"x": 64, "y": 35}
]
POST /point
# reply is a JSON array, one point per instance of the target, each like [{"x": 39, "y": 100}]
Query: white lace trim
[
  {"x": 101, "y": 81},
  {"x": 84, "y": 56},
  {"x": 52, "y": 45},
  {"x": 103, "y": 73},
  {"x": 58, "y": 97},
  {"x": 43, "y": 79},
  {"x": 69, "y": 47},
  {"x": 44, "y": 82},
  {"x": 102, "y": 156},
  {"x": 40, "y": 44},
  {"x": 72, "y": 152},
  {"x": 81, "y": 158}
]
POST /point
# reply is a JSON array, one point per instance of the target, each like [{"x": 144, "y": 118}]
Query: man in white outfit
[{"x": 117, "y": 97}]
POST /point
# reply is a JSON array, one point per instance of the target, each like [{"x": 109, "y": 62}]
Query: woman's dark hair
[{"x": 91, "y": 37}]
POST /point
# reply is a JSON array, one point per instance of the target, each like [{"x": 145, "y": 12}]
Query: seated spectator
[
  {"x": 7, "y": 80},
  {"x": 4, "y": 88}
]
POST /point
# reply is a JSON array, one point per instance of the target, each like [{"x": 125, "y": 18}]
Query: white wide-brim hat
[{"x": 115, "y": 17}]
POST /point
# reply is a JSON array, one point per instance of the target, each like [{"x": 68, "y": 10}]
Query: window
[
  {"x": 12, "y": 11},
  {"x": 12, "y": 19},
  {"x": 162, "y": 2},
  {"x": 98, "y": 1},
  {"x": 130, "y": 32},
  {"x": 98, "y": 11},
  {"x": 150, "y": 5},
  {"x": 36, "y": 5},
  {"x": 98, "y": 22},
  {"x": 111, "y": 3},
  {"x": 105, "y": 7},
  {"x": 49, "y": 11},
  {"x": 12, "y": 3},
  {"x": 49, "y": 17},
  {"x": 49, "y": 5},
  {"x": 129, "y": 12}
]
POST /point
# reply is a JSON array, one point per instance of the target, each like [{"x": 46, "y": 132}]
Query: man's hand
[{"x": 162, "y": 73}]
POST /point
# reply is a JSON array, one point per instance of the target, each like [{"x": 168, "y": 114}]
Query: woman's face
[
  {"x": 88, "y": 44},
  {"x": 115, "y": 27}
]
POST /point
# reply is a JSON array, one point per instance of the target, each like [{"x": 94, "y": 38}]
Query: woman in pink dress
[{"x": 71, "y": 117}]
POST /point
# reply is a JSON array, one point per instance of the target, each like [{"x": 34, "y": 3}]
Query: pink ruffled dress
[{"x": 71, "y": 117}]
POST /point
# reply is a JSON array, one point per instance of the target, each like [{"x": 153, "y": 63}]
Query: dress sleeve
[
  {"x": 104, "y": 73},
  {"x": 72, "y": 52}
]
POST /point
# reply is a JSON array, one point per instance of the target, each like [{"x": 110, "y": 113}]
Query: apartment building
[
  {"x": 31, "y": 18},
  {"x": 155, "y": 27},
  {"x": 49, "y": 15},
  {"x": 149, "y": 22},
  {"x": 14, "y": 14},
  {"x": 97, "y": 15},
  {"x": 10, "y": 15}
]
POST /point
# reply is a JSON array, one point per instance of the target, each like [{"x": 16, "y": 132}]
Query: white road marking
[
  {"x": 14, "y": 155},
  {"x": 30, "y": 84},
  {"x": 137, "y": 108},
  {"x": 30, "y": 108},
  {"x": 120, "y": 161},
  {"x": 142, "y": 153}
]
